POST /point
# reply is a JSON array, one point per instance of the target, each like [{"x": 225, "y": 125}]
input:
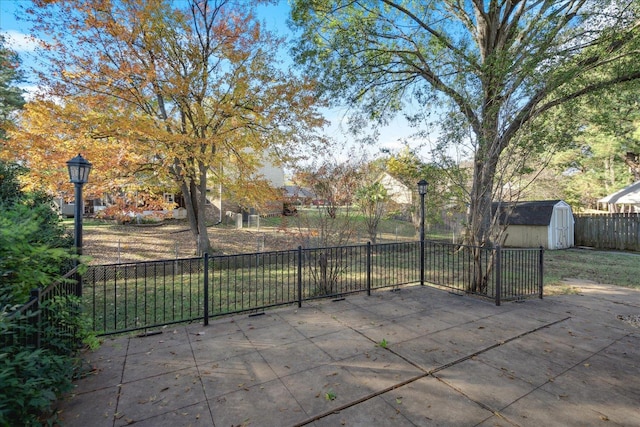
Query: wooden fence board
[{"x": 608, "y": 231}]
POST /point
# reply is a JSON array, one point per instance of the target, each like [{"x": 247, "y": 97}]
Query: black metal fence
[
  {"x": 502, "y": 274},
  {"x": 136, "y": 296},
  {"x": 48, "y": 319}
]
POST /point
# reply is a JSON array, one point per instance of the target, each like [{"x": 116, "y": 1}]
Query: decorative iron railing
[{"x": 136, "y": 296}]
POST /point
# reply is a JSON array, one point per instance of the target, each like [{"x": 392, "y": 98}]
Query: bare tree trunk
[
  {"x": 191, "y": 212},
  {"x": 633, "y": 161},
  {"x": 325, "y": 279},
  {"x": 204, "y": 244},
  {"x": 195, "y": 198},
  {"x": 480, "y": 216}
]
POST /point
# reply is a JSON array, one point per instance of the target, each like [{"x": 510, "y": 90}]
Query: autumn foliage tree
[
  {"x": 372, "y": 200},
  {"x": 186, "y": 86},
  {"x": 50, "y": 133},
  {"x": 488, "y": 67},
  {"x": 334, "y": 184}
]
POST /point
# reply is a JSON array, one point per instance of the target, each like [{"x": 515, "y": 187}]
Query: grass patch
[
  {"x": 560, "y": 289},
  {"x": 613, "y": 268},
  {"x": 89, "y": 223},
  {"x": 388, "y": 229}
]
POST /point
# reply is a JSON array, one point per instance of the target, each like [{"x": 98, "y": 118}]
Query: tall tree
[
  {"x": 10, "y": 95},
  {"x": 193, "y": 84},
  {"x": 333, "y": 177},
  {"x": 603, "y": 151},
  {"x": 489, "y": 67},
  {"x": 70, "y": 128}
]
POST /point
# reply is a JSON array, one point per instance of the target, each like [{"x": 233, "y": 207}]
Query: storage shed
[{"x": 546, "y": 223}]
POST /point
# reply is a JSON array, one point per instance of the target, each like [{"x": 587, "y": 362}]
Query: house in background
[
  {"x": 296, "y": 195},
  {"x": 625, "y": 200},
  {"x": 222, "y": 203},
  {"x": 546, "y": 223},
  {"x": 396, "y": 190},
  {"x": 68, "y": 210}
]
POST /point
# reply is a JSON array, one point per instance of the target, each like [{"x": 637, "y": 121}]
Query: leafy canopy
[
  {"x": 10, "y": 95},
  {"x": 176, "y": 89},
  {"x": 481, "y": 71}
]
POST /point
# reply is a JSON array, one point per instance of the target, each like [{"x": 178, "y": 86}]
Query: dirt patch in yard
[{"x": 111, "y": 243}]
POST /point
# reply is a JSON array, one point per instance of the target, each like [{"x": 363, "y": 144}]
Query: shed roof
[
  {"x": 629, "y": 195},
  {"x": 537, "y": 212}
]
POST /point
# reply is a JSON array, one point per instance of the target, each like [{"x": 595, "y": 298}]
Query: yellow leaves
[
  {"x": 49, "y": 134},
  {"x": 149, "y": 91}
]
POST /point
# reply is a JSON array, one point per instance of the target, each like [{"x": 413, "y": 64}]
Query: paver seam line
[
  {"x": 552, "y": 379},
  {"x": 152, "y": 376},
  {"x": 628, "y": 304},
  {"x": 463, "y": 358},
  {"x": 278, "y": 377},
  {"x": 157, "y": 415},
  {"x": 499, "y": 415},
  {"x": 115, "y": 413},
  {"x": 498, "y": 344},
  {"x": 336, "y": 318},
  {"x": 360, "y": 400},
  {"x": 424, "y": 375},
  {"x": 204, "y": 390},
  {"x": 455, "y": 362}
]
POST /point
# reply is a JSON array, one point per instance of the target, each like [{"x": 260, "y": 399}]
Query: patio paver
[{"x": 448, "y": 360}]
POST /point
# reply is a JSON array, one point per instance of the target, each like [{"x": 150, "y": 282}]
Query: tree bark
[
  {"x": 204, "y": 244},
  {"x": 633, "y": 161}
]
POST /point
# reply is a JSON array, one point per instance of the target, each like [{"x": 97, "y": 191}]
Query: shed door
[{"x": 562, "y": 227}]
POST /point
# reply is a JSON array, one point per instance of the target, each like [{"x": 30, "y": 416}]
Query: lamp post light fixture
[
  {"x": 79, "y": 169},
  {"x": 422, "y": 190}
]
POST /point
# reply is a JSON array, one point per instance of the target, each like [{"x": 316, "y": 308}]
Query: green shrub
[
  {"x": 25, "y": 262},
  {"x": 30, "y": 381},
  {"x": 31, "y": 378},
  {"x": 35, "y": 250},
  {"x": 34, "y": 246}
]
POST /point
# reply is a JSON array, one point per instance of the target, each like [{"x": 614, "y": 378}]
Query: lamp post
[
  {"x": 79, "y": 169},
  {"x": 422, "y": 190}
]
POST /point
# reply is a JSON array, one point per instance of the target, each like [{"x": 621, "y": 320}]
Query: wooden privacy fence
[{"x": 608, "y": 231}]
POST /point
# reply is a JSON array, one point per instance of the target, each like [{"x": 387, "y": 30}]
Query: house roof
[
  {"x": 537, "y": 212},
  {"x": 293, "y": 191},
  {"x": 629, "y": 195}
]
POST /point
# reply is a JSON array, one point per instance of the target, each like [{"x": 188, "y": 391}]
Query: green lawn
[
  {"x": 388, "y": 229},
  {"x": 89, "y": 223},
  {"x": 608, "y": 267}
]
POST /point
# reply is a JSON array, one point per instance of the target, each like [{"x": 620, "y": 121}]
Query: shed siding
[{"x": 527, "y": 236}]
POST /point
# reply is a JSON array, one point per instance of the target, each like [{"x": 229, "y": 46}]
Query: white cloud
[{"x": 20, "y": 42}]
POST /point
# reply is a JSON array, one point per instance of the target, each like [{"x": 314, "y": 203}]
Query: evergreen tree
[{"x": 10, "y": 95}]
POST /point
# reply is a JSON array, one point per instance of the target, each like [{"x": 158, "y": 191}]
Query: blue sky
[{"x": 391, "y": 137}]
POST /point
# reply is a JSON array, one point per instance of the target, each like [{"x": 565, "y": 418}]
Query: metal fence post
[
  {"x": 498, "y": 267},
  {"x": 37, "y": 318},
  {"x": 299, "y": 276},
  {"x": 206, "y": 288},
  {"x": 369, "y": 268},
  {"x": 541, "y": 272}
]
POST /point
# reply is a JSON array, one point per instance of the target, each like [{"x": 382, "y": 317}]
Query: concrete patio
[{"x": 415, "y": 357}]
